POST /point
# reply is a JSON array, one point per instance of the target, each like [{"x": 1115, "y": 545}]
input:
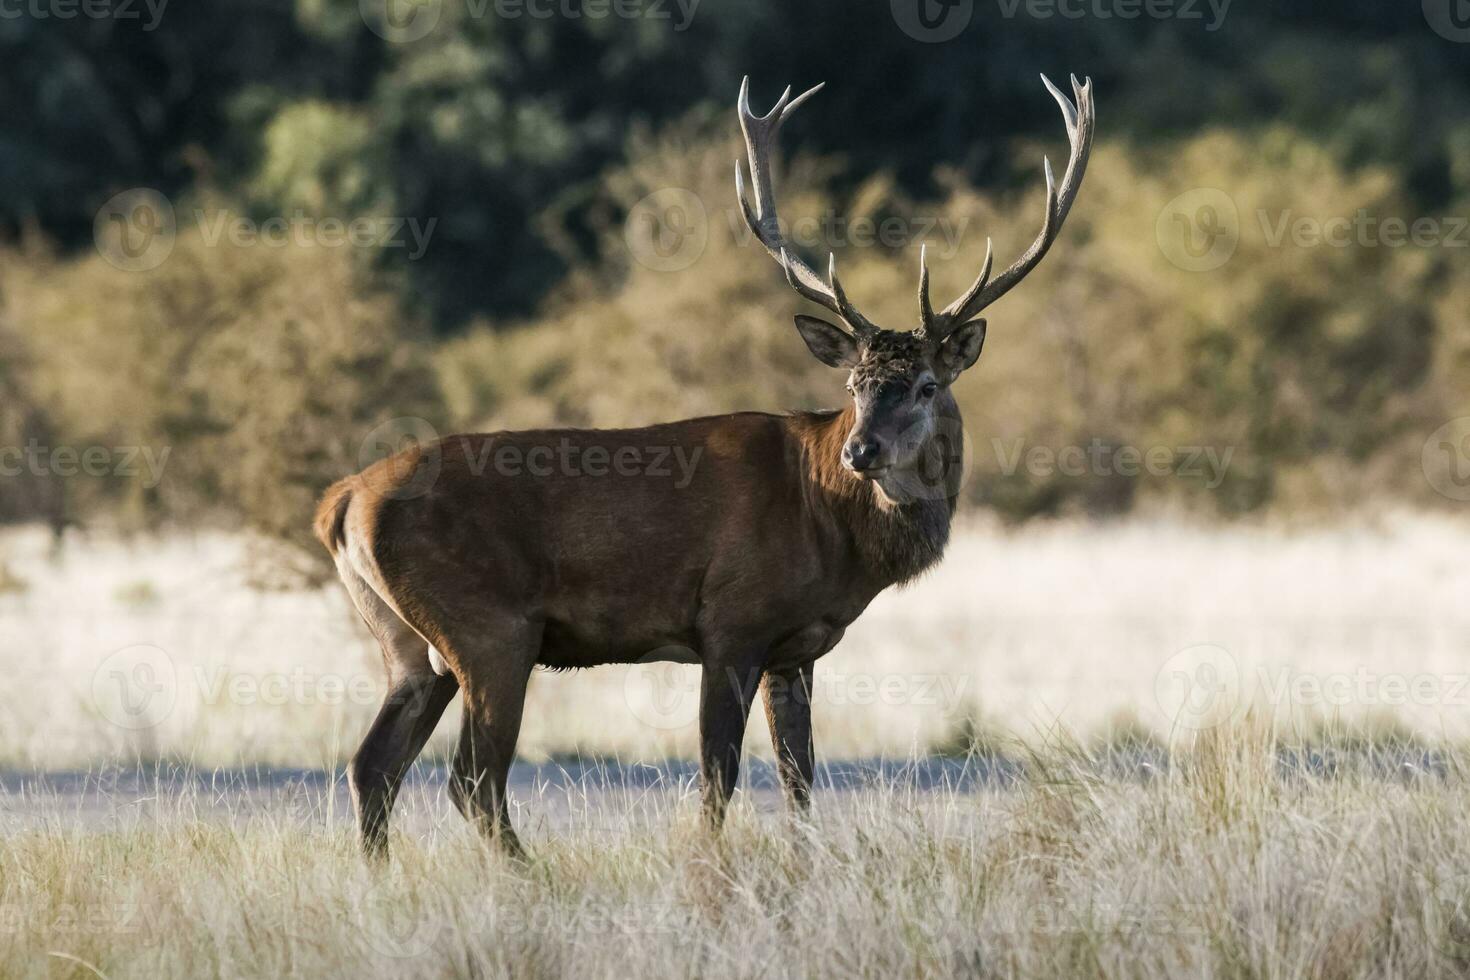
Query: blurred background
[
  {"x": 493, "y": 155},
  {"x": 246, "y": 245}
]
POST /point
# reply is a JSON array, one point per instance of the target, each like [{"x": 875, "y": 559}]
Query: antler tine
[
  {"x": 926, "y": 308},
  {"x": 947, "y": 320},
  {"x": 1080, "y": 119},
  {"x": 846, "y": 310},
  {"x": 760, "y": 133}
]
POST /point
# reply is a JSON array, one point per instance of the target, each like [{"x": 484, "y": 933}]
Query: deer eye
[{"x": 929, "y": 389}]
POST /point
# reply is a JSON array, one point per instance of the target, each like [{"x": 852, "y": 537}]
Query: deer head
[{"x": 897, "y": 378}]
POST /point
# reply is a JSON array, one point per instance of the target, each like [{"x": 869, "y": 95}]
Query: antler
[
  {"x": 1079, "y": 119},
  {"x": 760, "y": 135}
]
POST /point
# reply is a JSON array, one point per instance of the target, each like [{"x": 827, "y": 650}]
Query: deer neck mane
[{"x": 894, "y": 541}]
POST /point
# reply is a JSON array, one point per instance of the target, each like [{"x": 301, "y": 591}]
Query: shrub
[
  {"x": 1311, "y": 373},
  {"x": 251, "y": 373}
]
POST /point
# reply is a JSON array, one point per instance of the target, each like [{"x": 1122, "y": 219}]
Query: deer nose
[{"x": 860, "y": 454}]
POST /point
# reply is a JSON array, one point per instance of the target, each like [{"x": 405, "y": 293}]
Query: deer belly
[
  {"x": 805, "y": 645},
  {"x": 589, "y": 643}
]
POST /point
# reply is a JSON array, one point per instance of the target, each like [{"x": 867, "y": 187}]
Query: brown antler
[
  {"x": 760, "y": 135},
  {"x": 1079, "y": 119}
]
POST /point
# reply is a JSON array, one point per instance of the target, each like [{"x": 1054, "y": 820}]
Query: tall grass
[{"x": 1218, "y": 866}]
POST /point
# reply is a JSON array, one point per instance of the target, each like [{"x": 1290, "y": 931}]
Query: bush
[
  {"x": 251, "y": 374},
  {"x": 1294, "y": 375}
]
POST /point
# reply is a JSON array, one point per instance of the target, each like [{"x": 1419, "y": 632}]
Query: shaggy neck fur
[{"x": 896, "y": 541}]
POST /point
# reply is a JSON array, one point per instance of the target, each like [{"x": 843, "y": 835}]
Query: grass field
[
  {"x": 1225, "y": 863},
  {"x": 1205, "y": 752}
]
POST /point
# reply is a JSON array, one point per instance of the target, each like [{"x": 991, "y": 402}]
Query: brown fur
[{"x": 331, "y": 514}]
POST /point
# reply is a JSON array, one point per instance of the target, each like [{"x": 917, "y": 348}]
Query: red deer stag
[{"x": 471, "y": 569}]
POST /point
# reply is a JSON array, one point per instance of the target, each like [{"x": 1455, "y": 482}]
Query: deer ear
[
  {"x": 960, "y": 350},
  {"x": 832, "y": 345}
]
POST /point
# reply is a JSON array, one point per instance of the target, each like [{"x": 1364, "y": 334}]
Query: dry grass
[
  {"x": 1221, "y": 865},
  {"x": 1290, "y": 839}
]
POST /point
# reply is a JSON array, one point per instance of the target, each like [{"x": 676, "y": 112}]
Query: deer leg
[
  {"x": 726, "y": 694},
  {"x": 487, "y": 745},
  {"x": 788, "y": 698},
  {"x": 404, "y": 723}
]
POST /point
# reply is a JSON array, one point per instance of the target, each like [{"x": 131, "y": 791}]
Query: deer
[{"x": 471, "y": 572}]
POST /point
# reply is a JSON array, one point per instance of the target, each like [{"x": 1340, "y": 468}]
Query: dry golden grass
[
  {"x": 1250, "y": 832},
  {"x": 1226, "y": 864}
]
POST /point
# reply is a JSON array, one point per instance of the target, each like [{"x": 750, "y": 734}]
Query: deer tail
[{"x": 331, "y": 515}]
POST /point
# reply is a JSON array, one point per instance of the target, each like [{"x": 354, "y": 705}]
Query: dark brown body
[{"x": 739, "y": 542}]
